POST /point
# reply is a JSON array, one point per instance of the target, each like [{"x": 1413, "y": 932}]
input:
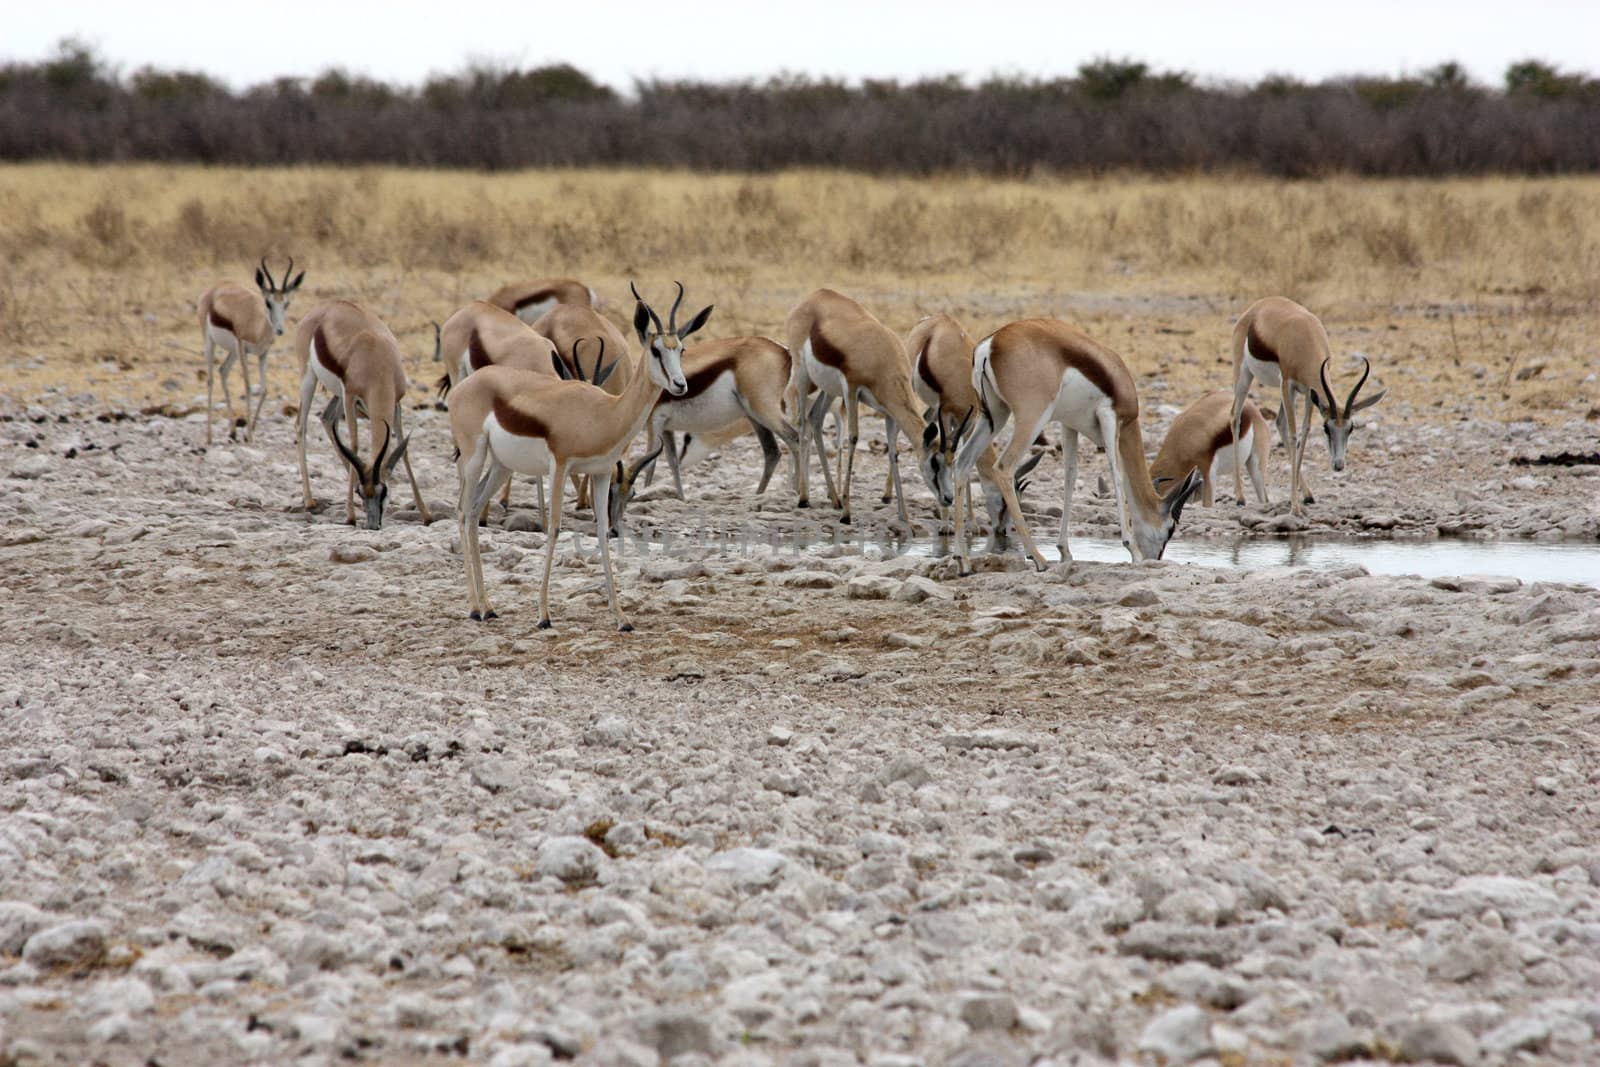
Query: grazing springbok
[
  {"x": 1201, "y": 439},
  {"x": 351, "y": 353},
  {"x": 835, "y": 343},
  {"x": 734, "y": 378},
  {"x": 528, "y": 300},
  {"x": 243, "y": 324},
  {"x": 1043, "y": 370},
  {"x": 506, "y": 420},
  {"x": 1283, "y": 344}
]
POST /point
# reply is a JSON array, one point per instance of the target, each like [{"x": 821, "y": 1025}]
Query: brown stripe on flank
[
  {"x": 1259, "y": 348},
  {"x": 514, "y": 420},
  {"x": 477, "y": 355},
  {"x": 325, "y": 354},
  {"x": 1223, "y": 438},
  {"x": 924, "y": 366},
  {"x": 534, "y": 298},
  {"x": 824, "y": 351},
  {"x": 219, "y": 320},
  {"x": 702, "y": 379},
  {"x": 1092, "y": 369}
]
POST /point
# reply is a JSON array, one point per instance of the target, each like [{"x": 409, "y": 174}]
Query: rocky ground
[{"x": 267, "y": 796}]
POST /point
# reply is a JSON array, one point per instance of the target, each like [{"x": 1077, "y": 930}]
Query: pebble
[
  {"x": 1179, "y": 1035},
  {"x": 80, "y": 943}
]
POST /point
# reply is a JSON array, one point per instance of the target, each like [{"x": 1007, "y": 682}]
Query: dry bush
[{"x": 1512, "y": 266}]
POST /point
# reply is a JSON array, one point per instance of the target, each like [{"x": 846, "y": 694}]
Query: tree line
[{"x": 1111, "y": 114}]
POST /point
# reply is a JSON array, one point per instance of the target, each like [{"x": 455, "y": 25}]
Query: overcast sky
[{"x": 616, "y": 41}]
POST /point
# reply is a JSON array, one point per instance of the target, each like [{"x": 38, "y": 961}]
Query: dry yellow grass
[{"x": 1453, "y": 286}]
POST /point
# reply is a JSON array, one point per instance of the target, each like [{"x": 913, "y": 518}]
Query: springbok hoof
[
  {"x": 625, "y": 628},
  {"x": 490, "y": 614},
  {"x": 844, "y": 520},
  {"x": 802, "y": 503},
  {"x": 474, "y": 616},
  {"x": 544, "y": 624},
  {"x": 886, "y": 500}
]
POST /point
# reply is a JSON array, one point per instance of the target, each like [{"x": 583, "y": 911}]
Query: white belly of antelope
[
  {"x": 1267, "y": 372},
  {"x": 330, "y": 381},
  {"x": 830, "y": 380},
  {"x": 1077, "y": 405},
  {"x": 715, "y": 407},
  {"x": 525, "y": 455},
  {"x": 529, "y": 313},
  {"x": 1223, "y": 461}
]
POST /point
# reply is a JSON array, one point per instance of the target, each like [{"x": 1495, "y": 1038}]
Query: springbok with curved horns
[
  {"x": 351, "y": 353},
  {"x": 506, "y": 420},
  {"x": 839, "y": 346},
  {"x": 1043, "y": 371},
  {"x": 736, "y": 378},
  {"x": 243, "y": 324},
  {"x": 1201, "y": 439},
  {"x": 530, "y": 299},
  {"x": 1283, "y": 344}
]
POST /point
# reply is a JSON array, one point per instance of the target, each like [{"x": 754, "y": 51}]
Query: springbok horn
[
  {"x": 377, "y": 460},
  {"x": 646, "y": 459},
  {"x": 264, "y": 270},
  {"x": 289, "y": 273},
  {"x": 349, "y": 454},
  {"x": 653, "y": 316},
  {"x": 1333, "y": 405},
  {"x": 577, "y": 360},
  {"x": 1366, "y": 370},
  {"x": 672, "y": 318},
  {"x": 599, "y": 359}
]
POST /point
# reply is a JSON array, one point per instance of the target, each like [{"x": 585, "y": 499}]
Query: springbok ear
[
  {"x": 292, "y": 286},
  {"x": 563, "y": 371},
  {"x": 1025, "y": 468},
  {"x": 641, "y": 320},
  {"x": 1157, "y": 482},
  {"x": 602, "y": 373},
  {"x": 1320, "y": 404},
  {"x": 1175, "y": 500},
  {"x": 261, "y": 280},
  {"x": 930, "y": 431},
  {"x": 1362, "y": 405},
  {"x": 697, "y": 322}
]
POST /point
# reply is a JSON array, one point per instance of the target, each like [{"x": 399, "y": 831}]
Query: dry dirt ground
[{"x": 267, "y": 796}]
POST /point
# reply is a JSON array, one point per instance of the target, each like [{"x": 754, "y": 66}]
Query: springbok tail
[{"x": 443, "y": 386}]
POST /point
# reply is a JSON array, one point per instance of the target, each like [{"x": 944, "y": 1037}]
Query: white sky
[{"x": 618, "y": 40}]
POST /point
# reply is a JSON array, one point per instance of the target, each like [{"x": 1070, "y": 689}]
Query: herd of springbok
[{"x": 539, "y": 383}]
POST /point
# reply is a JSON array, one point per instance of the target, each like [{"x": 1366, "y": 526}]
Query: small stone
[
  {"x": 780, "y": 736},
  {"x": 1515, "y": 898},
  {"x": 495, "y": 775},
  {"x": 608, "y": 731},
  {"x": 870, "y": 587},
  {"x": 676, "y": 1032},
  {"x": 915, "y": 590},
  {"x": 573, "y": 859},
  {"x": 809, "y": 580},
  {"x": 18, "y": 922},
  {"x": 987, "y": 1011},
  {"x": 1522, "y": 1034},
  {"x": 750, "y": 868},
  {"x": 1332, "y": 1039},
  {"x": 1139, "y": 597},
  {"x": 352, "y": 554},
  {"x": 1426, "y": 1041},
  {"x": 1236, "y": 776},
  {"x": 896, "y": 639},
  {"x": 72, "y": 944},
  {"x": 1180, "y": 1035},
  {"x": 907, "y": 769},
  {"x": 1546, "y": 785}
]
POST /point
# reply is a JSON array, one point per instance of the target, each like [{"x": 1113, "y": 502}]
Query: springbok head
[
  {"x": 374, "y": 480},
  {"x": 277, "y": 294},
  {"x": 1336, "y": 424},
  {"x": 623, "y": 482},
  {"x": 940, "y": 441},
  {"x": 1150, "y": 535},
  {"x": 663, "y": 346}
]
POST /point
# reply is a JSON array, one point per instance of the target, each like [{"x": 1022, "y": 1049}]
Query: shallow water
[{"x": 1528, "y": 560}]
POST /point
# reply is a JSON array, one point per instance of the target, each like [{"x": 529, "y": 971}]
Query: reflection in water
[{"x": 1530, "y": 561}]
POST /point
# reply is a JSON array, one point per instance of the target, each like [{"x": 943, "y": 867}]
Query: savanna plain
[{"x": 266, "y": 794}]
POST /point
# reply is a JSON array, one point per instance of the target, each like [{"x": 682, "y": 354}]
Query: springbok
[
  {"x": 736, "y": 378},
  {"x": 836, "y": 343},
  {"x": 243, "y": 324},
  {"x": 481, "y": 335},
  {"x": 1283, "y": 344},
  {"x": 506, "y": 420},
  {"x": 528, "y": 300},
  {"x": 1201, "y": 439},
  {"x": 352, "y": 354},
  {"x": 1043, "y": 370}
]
